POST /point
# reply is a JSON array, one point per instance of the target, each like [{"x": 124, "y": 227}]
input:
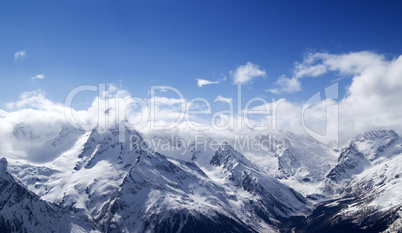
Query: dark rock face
[
  {"x": 350, "y": 162},
  {"x": 185, "y": 222},
  {"x": 326, "y": 218},
  {"x": 287, "y": 163}
]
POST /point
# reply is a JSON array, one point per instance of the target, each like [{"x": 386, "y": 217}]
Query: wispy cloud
[
  {"x": 244, "y": 74},
  {"x": 317, "y": 64},
  {"x": 203, "y": 82},
  {"x": 222, "y": 99},
  {"x": 39, "y": 76},
  {"x": 288, "y": 85},
  {"x": 20, "y": 54},
  {"x": 223, "y": 79}
]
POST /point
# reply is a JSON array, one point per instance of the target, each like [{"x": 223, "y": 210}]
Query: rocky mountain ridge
[{"x": 113, "y": 181}]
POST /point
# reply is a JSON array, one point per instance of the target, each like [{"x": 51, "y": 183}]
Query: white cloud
[
  {"x": 223, "y": 79},
  {"x": 33, "y": 99},
  {"x": 316, "y": 64},
  {"x": 32, "y": 124},
  {"x": 244, "y": 74},
  {"x": 39, "y": 76},
  {"x": 373, "y": 97},
  {"x": 222, "y": 99},
  {"x": 372, "y": 102},
  {"x": 160, "y": 100},
  {"x": 19, "y": 54},
  {"x": 286, "y": 84},
  {"x": 203, "y": 82},
  {"x": 302, "y": 70},
  {"x": 274, "y": 91}
]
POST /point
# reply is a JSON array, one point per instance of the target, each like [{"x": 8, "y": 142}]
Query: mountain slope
[
  {"x": 87, "y": 177},
  {"x": 368, "y": 187},
  {"x": 361, "y": 152},
  {"x": 104, "y": 169},
  {"x": 162, "y": 195},
  {"x": 23, "y": 211},
  {"x": 116, "y": 181},
  {"x": 162, "y": 191},
  {"x": 270, "y": 197}
]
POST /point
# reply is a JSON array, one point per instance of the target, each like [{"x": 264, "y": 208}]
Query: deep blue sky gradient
[{"x": 137, "y": 44}]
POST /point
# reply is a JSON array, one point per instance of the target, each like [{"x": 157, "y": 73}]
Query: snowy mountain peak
[
  {"x": 3, "y": 168},
  {"x": 113, "y": 179},
  {"x": 377, "y": 135},
  {"x": 287, "y": 164},
  {"x": 350, "y": 151},
  {"x": 361, "y": 152},
  {"x": 228, "y": 156},
  {"x": 274, "y": 198},
  {"x": 372, "y": 143},
  {"x": 123, "y": 145},
  {"x": 23, "y": 211},
  {"x": 3, "y": 163},
  {"x": 351, "y": 161}
]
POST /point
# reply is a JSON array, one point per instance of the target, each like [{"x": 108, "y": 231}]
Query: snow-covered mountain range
[{"x": 115, "y": 181}]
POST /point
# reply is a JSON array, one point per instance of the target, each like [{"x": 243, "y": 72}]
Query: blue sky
[{"x": 137, "y": 44}]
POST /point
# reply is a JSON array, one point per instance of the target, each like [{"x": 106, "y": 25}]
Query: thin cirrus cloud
[
  {"x": 245, "y": 74},
  {"x": 39, "y": 76},
  {"x": 20, "y": 54},
  {"x": 203, "y": 82}
]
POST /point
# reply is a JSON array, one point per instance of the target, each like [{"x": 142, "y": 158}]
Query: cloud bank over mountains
[
  {"x": 373, "y": 97},
  {"x": 373, "y": 101}
]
